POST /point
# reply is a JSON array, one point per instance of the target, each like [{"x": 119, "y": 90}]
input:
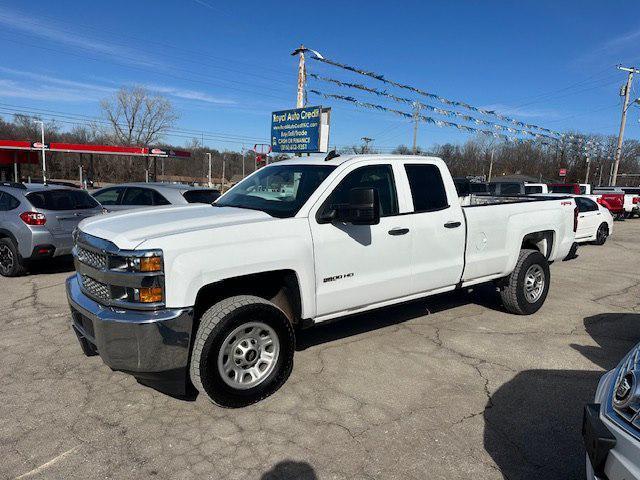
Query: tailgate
[{"x": 64, "y": 222}]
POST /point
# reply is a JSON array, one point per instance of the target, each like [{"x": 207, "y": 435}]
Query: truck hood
[{"x": 130, "y": 228}]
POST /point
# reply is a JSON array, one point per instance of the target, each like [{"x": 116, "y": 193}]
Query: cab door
[
  {"x": 359, "y": 265},
  {"x": 438, "y": 227},
  {"x": 589, "y": 218}
]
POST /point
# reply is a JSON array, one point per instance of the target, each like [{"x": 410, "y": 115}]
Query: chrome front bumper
[{"x": 153, "y": 346}]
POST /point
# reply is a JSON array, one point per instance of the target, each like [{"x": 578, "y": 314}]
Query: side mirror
[{"x": 363, "y": 207}]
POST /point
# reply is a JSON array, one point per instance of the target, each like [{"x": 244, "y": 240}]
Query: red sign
[{"x": 563, "y": 172}]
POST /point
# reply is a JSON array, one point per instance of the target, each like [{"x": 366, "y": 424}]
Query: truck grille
[
  {"x": 96, "y": 289},
  {"x": 93, "y": 259}
]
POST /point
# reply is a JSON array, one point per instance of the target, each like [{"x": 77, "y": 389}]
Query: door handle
[
  {"x": 452, "y": 224},
  {"x": 398, "y": 231}
]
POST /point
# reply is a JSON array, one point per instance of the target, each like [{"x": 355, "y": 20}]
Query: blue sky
[{"x": 227, "y": 65}]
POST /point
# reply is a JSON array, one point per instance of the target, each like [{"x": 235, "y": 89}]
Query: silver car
[
  {"x": 138, "y": 195},
  {"x": 37, "y": 222}
]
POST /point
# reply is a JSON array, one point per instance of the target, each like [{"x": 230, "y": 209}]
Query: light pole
[
  {"x": 223, "y": 167},
  {"x": 44, "y": 160},
  {"x": 209, "y": 176}
]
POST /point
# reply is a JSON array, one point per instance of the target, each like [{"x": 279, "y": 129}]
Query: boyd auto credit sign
[{"x": 297, "y": 131}]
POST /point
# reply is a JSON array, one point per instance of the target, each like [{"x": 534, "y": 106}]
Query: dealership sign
[
  {"x": 563, "y": 172},
  {"x": 40, "y": 145},
  {"x": 302, "y": 130}
]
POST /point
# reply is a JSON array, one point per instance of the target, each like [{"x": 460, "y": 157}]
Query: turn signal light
[
  {"x": 33, "y": 218},
  {"x": 150, "y": 295},
  {"x": 151, "y": 264}
]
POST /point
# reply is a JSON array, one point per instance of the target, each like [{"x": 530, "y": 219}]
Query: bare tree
[{"x": 137, "y": 117}]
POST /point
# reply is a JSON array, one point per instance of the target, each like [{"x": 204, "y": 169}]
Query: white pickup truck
[{"x": 208, "y": 296}]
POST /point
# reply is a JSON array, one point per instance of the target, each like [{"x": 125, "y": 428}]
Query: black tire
[
  {"x": 11, "y": 263},
  {"x": 514, "y": 294},
  {"x": 601, "y": 234},
  {"x": 220, "y": 321}
]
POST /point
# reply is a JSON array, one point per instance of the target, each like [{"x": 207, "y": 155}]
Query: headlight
[{"x": 151, "y": 263}]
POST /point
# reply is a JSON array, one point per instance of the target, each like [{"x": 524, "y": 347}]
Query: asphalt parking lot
[{"x": 451, "y": 387}]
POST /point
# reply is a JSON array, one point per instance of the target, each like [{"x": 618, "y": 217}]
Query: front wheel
[
  {"x": 528, "y": 285},
  {"x": 243, "y": 351},
  {"x": 602, "y": 234}
]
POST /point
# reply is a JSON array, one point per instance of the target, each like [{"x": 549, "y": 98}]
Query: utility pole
[
  {"x": 302, "y": 76},
  {"x": 365, "y": 147},
  {"x": 491, "y": 165},
  {"x": 244, "y": 152},
  {"x": 209, "y": 176},
  {"x": 416, "y": 119},
  {"x": 625, "y": 106},
  {"x": 586, "y": 178},
  {"x": 223, "y": 168}
]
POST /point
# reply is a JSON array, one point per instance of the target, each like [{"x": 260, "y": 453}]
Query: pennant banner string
[
  {"x": 423, "y": 118},
  {"x": 419, "y": 105},
  {"x": 432, "y": 96}
]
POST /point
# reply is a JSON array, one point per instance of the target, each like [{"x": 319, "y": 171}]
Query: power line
[
  {"x": 16, "y": 109},
  {"x": 191, "y": 78},
  {"x": 177, "y": 133}
]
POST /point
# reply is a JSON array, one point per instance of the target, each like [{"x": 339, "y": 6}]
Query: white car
[
  {"x": 209, "y": 295},
  {"x": 611, "y": 425},
  {"x": 595, "y": 222}
]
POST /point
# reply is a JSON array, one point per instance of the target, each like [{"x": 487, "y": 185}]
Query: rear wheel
[
  {"x": 11, "y": 264},
  {"x": 243, "y": 351},
  {"x": 528, "y": 285},
  {"x": 602, "y": 234}
]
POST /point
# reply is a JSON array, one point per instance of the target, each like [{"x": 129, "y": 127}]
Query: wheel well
[
  {"x": 540, "y": 241},
  {"x": 280, "y": 287}
]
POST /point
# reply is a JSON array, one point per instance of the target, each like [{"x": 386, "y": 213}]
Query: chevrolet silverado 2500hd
[{"x": 209, "y": 295}]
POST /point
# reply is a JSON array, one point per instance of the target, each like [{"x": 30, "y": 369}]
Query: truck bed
[
  {"x": 495, "y": 232},
  {"x": 475, "y": 200}
]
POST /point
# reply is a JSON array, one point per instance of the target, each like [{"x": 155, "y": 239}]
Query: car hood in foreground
[{"x": 130, "y": 228}]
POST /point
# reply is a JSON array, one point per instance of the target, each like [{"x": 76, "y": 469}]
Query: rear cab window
[
  {"x": 427, "y": 188},
  {"x": 62, "y": 200},
  {"x": 562, "y": 189},
  {"x": 529, "y": 189},
  {"x": 201, "y": 196}
]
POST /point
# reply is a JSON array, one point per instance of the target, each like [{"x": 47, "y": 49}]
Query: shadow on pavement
[
  {"x": 52, "y": 265},
  {"x": 532, "y": 423},
  {"x": 345, "y": 327},
  {"x": 290, "y": 470}
]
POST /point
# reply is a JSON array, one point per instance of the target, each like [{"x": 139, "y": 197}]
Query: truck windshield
[{"x": 278, "y": 190}]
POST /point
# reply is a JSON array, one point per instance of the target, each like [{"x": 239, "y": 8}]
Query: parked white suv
[
  {"x": 611, "y": 425},
  {"x": 211, "y": 293}
]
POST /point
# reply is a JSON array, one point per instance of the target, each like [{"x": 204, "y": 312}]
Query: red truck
[{"x": 612, "y": 201}]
